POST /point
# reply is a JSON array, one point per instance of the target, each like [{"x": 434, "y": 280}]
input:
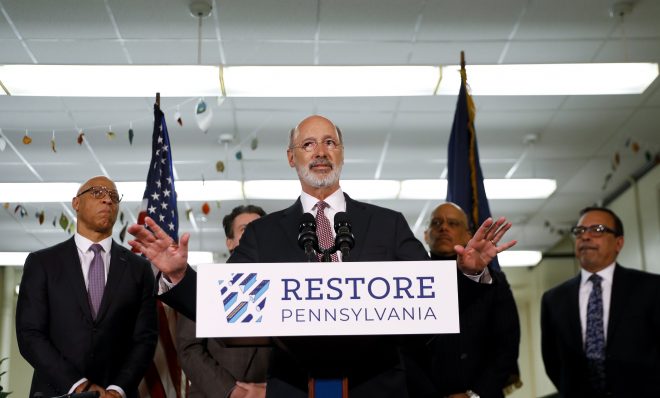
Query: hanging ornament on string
[
  {"x": 81, "y": 137},
  {"x": 20, "y": 209},
  {"x": 52, "y": 143},
  {"x": 206, "y": 209},
  {"x": 203, "y": 115},
  {"x": 40, "y": 216},
  {"x": 64, "y": 221},
  {"x": 189, "y": 214},
  {"x": 26, "y": 138},
  {"x": 177, "y": 117},
  {"x": 220, "y": 166},
  {"x": 3, "y": 143},
  {"x": 122, "y": 233},
  {"x": 254, "y": 144},
  {"x": 54, "y": 221},
  {"x": 239, "y": 155},
  {"x": 131, "y": 134},
  {"x": 110, "y": 135}
]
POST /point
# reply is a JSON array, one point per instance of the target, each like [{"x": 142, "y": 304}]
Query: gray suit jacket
[{"x": 214, "y": 369}]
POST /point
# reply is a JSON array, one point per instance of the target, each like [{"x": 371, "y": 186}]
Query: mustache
[
  {"x": 586, "y": 246},
  {"x": 321, "y": 162}
]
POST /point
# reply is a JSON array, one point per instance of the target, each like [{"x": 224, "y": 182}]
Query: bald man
[
  {"x": 482, "y": 359},
  {"x": 371, "y": 364},
  {"x": 86, "y": 315}
]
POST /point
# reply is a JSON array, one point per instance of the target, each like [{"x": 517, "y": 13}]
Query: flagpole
[
  {"x": 462, "y": 60},
  {"x": 158, "y": 100}
]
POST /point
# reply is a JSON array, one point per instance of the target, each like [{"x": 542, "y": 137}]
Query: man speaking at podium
[{"x": 371, "y": 364}]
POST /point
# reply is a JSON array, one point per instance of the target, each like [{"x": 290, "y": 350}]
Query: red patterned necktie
[{"x": 323, "y": 230}]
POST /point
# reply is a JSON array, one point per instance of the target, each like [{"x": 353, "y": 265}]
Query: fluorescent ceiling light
[
  {"x": 111, "y": 80},
  {"x": 200, "y": 258},
  {"x": 272, "y": 189},
  {"x": 201, "y": 191},
  {"x": 371, "y": 189},
  {"x": 518, "y": 188},
  {"x": 13, "y": 258},
  {"x": 519, "y": 258},
  {"x": 323, "y": 81}
]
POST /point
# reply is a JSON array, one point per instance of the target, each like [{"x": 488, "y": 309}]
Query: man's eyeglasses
[
  {"x": 310, "y": 146},
  {"x": 100, "y": 192},
  {"x": 595, "y": 230}
]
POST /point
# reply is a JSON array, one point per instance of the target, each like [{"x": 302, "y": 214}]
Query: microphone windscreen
[
  {"x": 341, "y": 219},
  {"x": 306, "y": 221}
]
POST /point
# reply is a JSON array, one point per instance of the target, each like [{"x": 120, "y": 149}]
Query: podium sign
[{"x": 323, "y": 299}]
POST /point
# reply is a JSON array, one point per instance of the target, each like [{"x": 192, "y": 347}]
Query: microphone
[
  {"x": 307, "y": 239},
  {"x": 344, "y": 240}
]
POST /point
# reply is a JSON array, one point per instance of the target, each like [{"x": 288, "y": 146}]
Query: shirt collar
[
  {"x": 336, "y": 201},
  {"x": 84, "y": 244},
  {"x": 606, "y": 273}
]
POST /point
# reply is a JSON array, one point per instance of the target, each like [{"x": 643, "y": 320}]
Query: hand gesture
[
  {"x": 168, "y": 256},
  {"x": 483, "y": 247}
]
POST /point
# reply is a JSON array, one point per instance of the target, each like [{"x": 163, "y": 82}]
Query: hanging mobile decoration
[
  {"x": 220, "y": 166},
  {"x": 54, "y": 221},
  {"x": 239, "y": 155},
  {"x": 121, "y": 217},
  {"x": 206, "y": 209},
  {"x": 26, "y": 138},
  {"x": 122, "y": 233},
  {"x": 203, "y": 115},
  {"x": 81, "y": 137},
  {"x": 254, "y": 143},
  {"x": 41, "y": 216},
  {"x": 3, "y": 143},
  {"x": 52, "y": 143},
  {"x": 189, "y": 214},
  {"x": 131, "y": 134},
  {"x": 177, "y": 117},
  {"x": 20, "y": 209},
  {"x": 110, "y": 134},
  {"x": 64, "y": 221}
]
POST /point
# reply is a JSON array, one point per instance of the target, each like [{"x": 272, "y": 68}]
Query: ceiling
[{"x": 577, "y": 137}]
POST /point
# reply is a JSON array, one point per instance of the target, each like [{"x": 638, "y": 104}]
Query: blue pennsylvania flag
[
  {"x": 159, "y": 200},
  {"x": 465, "y": 181}
]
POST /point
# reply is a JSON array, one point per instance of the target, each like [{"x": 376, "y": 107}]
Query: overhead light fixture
[
  {"x": 201, "y": 191},
  {"x": 323, "y": 81},
  {"x": 505, "y": 188},
  {"x": 519, "y": 258},
  {"x": 13, "y": 258}
]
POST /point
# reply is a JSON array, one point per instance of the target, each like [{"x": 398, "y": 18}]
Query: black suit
[
  {"x": 57, "y": 335},
  {"x": 371, "y": 363},
  {"x": 632, "y": 362},
  {"x": 483, "y": 356}
]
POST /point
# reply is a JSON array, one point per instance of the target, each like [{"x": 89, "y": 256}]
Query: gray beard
[{"x": 327, "y": 180}]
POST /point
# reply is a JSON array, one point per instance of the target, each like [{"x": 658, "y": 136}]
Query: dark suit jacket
[
  {"x": 483, "y": 357},
  {"x": 212, "y": 368},
  {"x": 632, "y": 363},
  {"x": 372, "y": 363},
  {"x": 57, "y": 335}
]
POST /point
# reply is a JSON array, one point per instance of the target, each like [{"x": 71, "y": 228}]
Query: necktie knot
[
  {"x": 96, "y": 248},
  {"x": 595, "y": 279},
  {"x": 321, "y": 205}
]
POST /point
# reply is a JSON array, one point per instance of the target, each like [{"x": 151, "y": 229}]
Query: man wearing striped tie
[
  {"x": 86, "y": 315},
  {"x": 600, "y": 331}
]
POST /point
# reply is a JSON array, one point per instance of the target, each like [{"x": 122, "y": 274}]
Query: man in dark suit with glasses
[{"x": 601, "y": 329}]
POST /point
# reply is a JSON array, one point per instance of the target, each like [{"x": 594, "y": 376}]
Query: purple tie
[
  {"x": 323, "y": 230},
  {"x": 96, "y": 279}
]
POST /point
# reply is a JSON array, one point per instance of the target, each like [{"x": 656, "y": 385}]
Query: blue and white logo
[{"x": 243, "y": 297}]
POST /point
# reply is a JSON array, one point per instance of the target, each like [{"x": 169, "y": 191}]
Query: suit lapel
[
  {"x": 118, "y": 265},
  {"x": 618, "y": 299},
  {"x": 573, "y": 312},
  {"x": 289, "y": 222},
  {"x": 73, "y": 272},
  {"x": 359, "y": 224}
]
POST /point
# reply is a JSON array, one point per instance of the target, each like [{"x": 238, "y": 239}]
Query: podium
[{"x": 337, "y": 327}]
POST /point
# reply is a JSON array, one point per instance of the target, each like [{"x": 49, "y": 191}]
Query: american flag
[{"x": 164, "y": 377}]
